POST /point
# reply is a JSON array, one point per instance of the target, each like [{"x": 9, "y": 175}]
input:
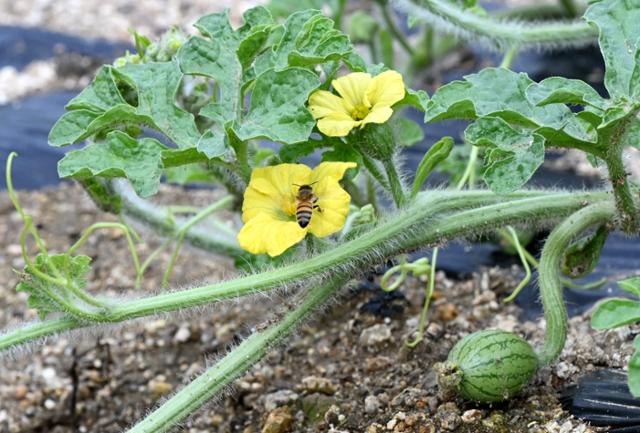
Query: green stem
[
  {"x": 217, "y": 377},
  {"x": 395, "y": 184},
  {"x": 509, "y": 56},
  {"x": 470, "y": 168},
  {"x": 339, "y": 13},
  {"x": 569, "y": 7},
  {"x": 555, "y": 312},
  {"x": 429, "y": 220},
  {"x": 393, "y": 28},
  {"x": 150, "y": 260},
  {"x": 424, "y": 314},
  {"x": 525, "y": 264},
  {"x": 625, "y": 202},
  {"x": 372, "y": 194},
  {"x": 496, "y": 32},
  {"x": 372, "y": 167},
  {"x": 108, "y": 225}
]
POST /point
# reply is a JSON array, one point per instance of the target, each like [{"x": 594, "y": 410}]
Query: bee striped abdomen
[{"x": 303, "y": 213}]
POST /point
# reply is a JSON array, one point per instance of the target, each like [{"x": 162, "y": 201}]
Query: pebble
[
  {"x": 279, "y": 420},
  {"x": 447, "y": 312},
  {"x": 282, "y": 397},
  {"x": 183, "y": 334},
  {"x": 159, "y": 386},
  {"x": 375, "y": 335},
  {"x": 313, "y": 384},
  {"x": 49, "y": 404},
  {"x": 471, "y": 415},
  {"x": 371, "y": 404}
]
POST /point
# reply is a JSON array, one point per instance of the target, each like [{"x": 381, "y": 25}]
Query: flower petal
[
  {"x": 334, "y": 207},
  {"x": 352, "y": 87},
  {"x": 271, "y": 190},
  {"x": 378, "y": 115},
  {"x": 385, "y": 89},
  {"x": 265, "y": 234},
  {"x": 331, "y": 170},
  {"x": 337, "y": 125},
  {"x": 323, "y": 103}
]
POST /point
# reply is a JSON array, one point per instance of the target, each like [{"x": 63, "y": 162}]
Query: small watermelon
[{"x": 488, "y": 366}]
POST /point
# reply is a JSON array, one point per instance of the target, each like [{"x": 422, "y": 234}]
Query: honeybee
[{"x": 306, "y": 203}]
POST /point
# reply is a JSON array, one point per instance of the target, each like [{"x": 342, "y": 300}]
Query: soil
[{"x": 348, "y": 370}]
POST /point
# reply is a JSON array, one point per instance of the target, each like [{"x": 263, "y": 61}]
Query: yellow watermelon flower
[
  {"x": 269, "y": 206},
  {"x": 363, "y": 99}
]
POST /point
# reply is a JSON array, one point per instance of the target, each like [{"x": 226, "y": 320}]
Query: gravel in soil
[{"x": 348, "y": 370}]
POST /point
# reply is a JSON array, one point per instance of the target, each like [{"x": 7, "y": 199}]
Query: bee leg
[{"x": 315, "y": 206}]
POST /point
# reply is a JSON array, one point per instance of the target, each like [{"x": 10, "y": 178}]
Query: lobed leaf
[
  {"x": 554, "y": 90},
  {"x": 619, "y": 40},
  {"x": 513, "y": 156},
  {"x": 501, "y": 93},
  {"x": 119, "y": 155},
  {"x": 43, "y": 293},
  {"x": 277, "y": 111}
]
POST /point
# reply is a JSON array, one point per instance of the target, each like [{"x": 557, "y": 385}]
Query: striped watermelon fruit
[{"x": 489, "y": 366}]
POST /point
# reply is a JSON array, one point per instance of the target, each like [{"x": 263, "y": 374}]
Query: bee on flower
[
  {"x": 363, "y": 99},
  {"x": 285, "y": 202}
]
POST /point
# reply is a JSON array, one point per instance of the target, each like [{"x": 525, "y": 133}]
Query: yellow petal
[
  {"x": 265, "y": 234},
  {"x": 323, "y": 103},
  {"x": 271, "y": 190},
  {"x": 331, "y": 170},
  {"x": 352, "y": 87},
  {"x": 385, "y": 89},
  {"x": 337, "y": 125},
  {"x": 378, "y": 115},
  {"x": 334, "y": 207}
]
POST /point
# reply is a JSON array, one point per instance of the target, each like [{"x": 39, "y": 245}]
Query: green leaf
[
  {"x": 513, "y": 156},
  {"x": 613, "y": 313},
  {"x": 119, "y": 155},
  {"x": 434, "y": 156},
  {"x": 406, "y": 132},
  {"x": 500, "y": 93},
  {"x": 44, "y": 294},
  {"x": 189, "y": 173},
  {"x": 100, "y": 95},
  {"x": 308, "y": 39},
  {"x": 386, "y": 48},
  {"x": 562, "y": 90},
  {"x": 619, "y": 37},
  {"x": 582, "y": 256},
  {"x": 291, "y": 153},
  {"x": 344, "y": 152},
  {"x": 277, "y": 111},
  {"x": 633, "y": 379},
  {"x": 156, "y": 85},
  {"x": 415, "y": 98},
  {"x": 631, "y": 285},
  {"x": 71, "y": 127}
]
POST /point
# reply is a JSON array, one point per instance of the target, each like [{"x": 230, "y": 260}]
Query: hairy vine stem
[
  {"x": 618, "y": 177},
  {"x": 498, "y": 33},
  {"x": 555, "y": 312},
  {"x": 433, "y": 218},
  {"x": 220, "y": 375}
]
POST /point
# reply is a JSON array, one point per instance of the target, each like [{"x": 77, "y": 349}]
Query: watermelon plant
[{"x": 242, "y": 108}]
